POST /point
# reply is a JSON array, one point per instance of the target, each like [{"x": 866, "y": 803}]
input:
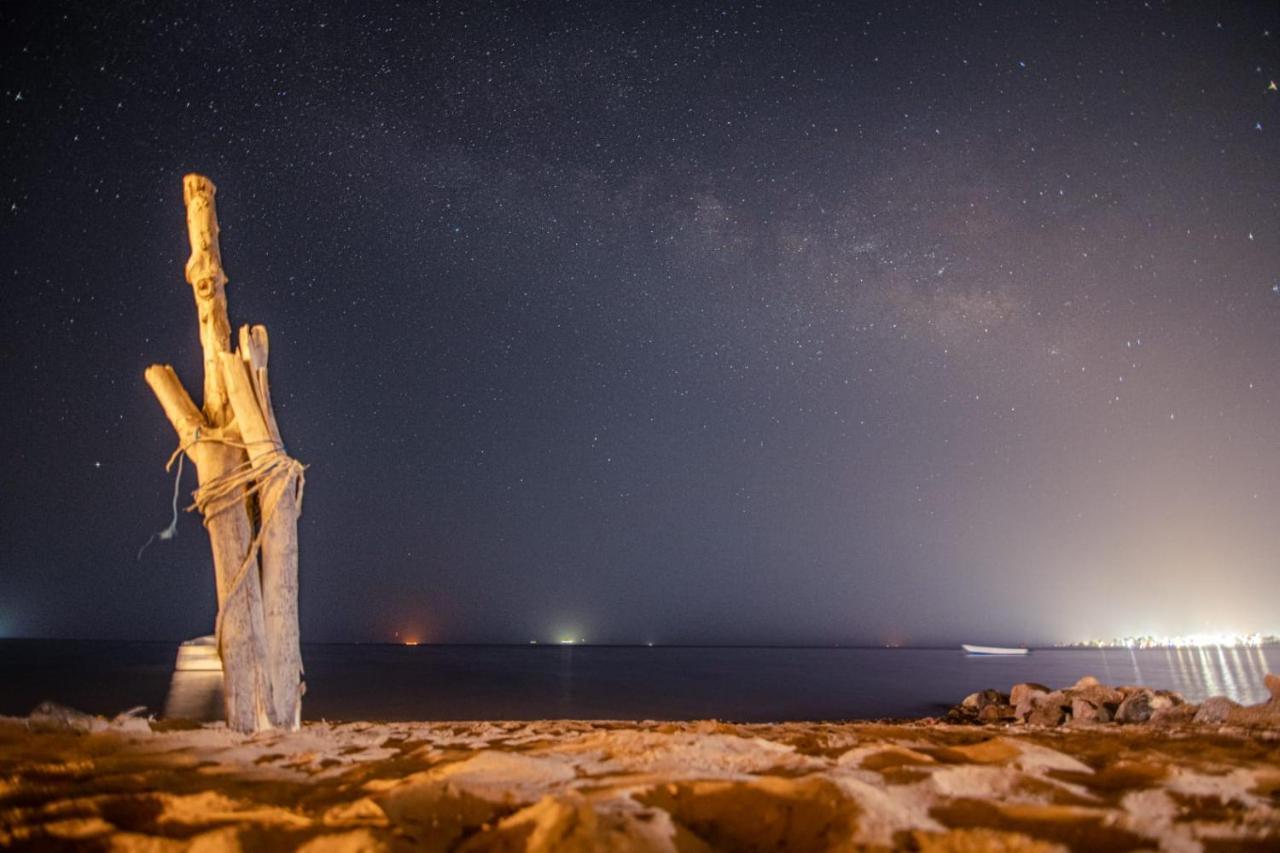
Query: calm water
[{"x": 346, "y": 682}]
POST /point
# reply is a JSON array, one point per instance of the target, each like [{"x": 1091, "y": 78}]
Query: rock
[
  {"x": 1056, "y": 697},
  {"x": 1263, "y": 715},
  {"x": 1046, "y": 714},
  {"x": 1022, "y": 697},
  {"x": 1136, "y": 708},
  {"x": 995, "y": 712},
  {"x": 983, "y": 698},
  {"x": 1099, "y": 695},
  {"x": 1166, "y": 699},
  {"x": 1086, "y": 681},
  {"x": 1215, "y": 710},
  {"x": 1174, "y": 715},
  {"x": 52, "y": 717},
  {"x": 1025, "y": 689},
  {"x": 974, "y": 708},
  {"x": 961, "y": 714},
  {"x": 1084, "y": 711}
]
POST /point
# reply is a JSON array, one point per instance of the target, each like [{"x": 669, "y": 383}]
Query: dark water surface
[{"x": 380, "y": 682}]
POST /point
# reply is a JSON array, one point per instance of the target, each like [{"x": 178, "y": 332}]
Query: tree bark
[{"x": 278, "y": 496}]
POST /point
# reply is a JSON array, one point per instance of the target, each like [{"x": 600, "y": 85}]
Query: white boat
[
  {"x": 199, "y": 655},
  {"x": 992, "y": 650}
]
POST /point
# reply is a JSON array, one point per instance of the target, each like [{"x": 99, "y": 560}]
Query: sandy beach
[{"x": 563, "y": 785}]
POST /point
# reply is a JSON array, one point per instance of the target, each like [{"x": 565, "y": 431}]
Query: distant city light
[{"x": 1186, "y": 641}]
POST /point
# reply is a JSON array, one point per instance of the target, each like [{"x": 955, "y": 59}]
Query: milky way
[{"x": 825, "y": 323}]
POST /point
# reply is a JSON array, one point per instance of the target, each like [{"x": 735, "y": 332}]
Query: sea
[{"x": 744, "y": 684}]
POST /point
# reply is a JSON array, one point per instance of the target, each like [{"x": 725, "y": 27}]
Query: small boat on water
[{"x": 992, "y": 650}]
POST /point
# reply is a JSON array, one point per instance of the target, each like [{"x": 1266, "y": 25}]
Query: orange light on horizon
[{"x": 411, "y": 636}]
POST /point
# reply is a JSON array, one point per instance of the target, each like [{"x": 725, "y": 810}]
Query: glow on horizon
[
  {"x": 408, "y": 638},
  {"x": 1202, "y": 640}
]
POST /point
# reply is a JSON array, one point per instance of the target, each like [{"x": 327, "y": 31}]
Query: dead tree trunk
[
  {"x": 279, "y": 500},
  {"x": 249, "y": 491}
]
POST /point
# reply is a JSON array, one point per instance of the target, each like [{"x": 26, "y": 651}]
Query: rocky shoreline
[
  {"x": 1088, "y": 701},
  {"x": 1162, "y": 774}
]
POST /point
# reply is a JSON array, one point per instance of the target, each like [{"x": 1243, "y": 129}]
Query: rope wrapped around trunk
[{"x": 246, "y": 479}]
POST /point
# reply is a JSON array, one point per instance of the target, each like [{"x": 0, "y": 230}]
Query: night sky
[{"x": 788, "y": 323}]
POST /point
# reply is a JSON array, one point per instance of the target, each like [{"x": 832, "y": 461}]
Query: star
[{"x": 707, "y": 282}]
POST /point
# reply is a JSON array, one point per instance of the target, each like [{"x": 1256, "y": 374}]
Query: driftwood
[{"x": 250, "y": 490}]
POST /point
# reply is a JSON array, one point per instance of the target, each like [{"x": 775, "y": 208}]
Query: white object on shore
[
  {"x": 199, "y": 655},
  {"x": 195, "y": 688},
  {"x": 992, "y": 650}
]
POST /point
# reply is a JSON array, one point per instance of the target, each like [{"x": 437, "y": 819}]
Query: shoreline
[{"x": 131, "y": 784}]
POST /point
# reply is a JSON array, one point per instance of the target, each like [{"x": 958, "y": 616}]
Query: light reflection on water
[
  {"x": 1197, "y": 674},
  {"x": 194, "y": 696}
]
